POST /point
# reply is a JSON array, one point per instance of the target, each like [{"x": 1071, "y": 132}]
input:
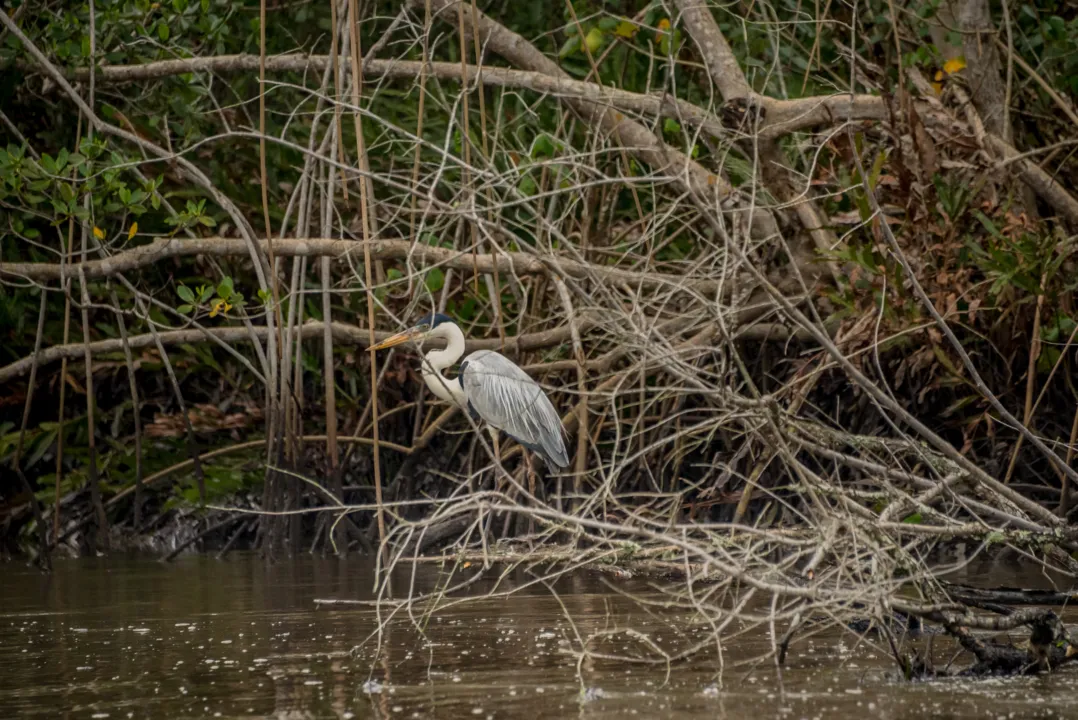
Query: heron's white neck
[{"x": 437, "y": 360}]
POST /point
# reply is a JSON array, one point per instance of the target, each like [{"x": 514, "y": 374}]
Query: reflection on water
[{"x": 201, "y": 638}]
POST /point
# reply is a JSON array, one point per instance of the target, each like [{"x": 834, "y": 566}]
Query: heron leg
[
  {"x": 498, "y": 480},
  {"x": 494, "y": 439},
  {"x": 529, "y": 464},
  {"x": 499, "y": 474}
]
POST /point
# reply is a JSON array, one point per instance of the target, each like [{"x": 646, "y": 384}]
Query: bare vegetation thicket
[{"x": 799, "y": 277}]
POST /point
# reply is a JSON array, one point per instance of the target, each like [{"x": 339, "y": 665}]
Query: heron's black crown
[{"x": 433, "y": 320}]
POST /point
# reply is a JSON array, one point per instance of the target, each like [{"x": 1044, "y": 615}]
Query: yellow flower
[
  {"x": 99, "y": 233},
  {"x": 664, "y": 25},
  {"x": 954, "y": 65},
  {"x": 937, "y": 83},
  {"x": 220, "y": 307},
  {"x": 132, "y": 231}
]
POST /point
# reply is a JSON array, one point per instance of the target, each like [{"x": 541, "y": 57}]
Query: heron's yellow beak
[{"x": 398, "y": 339}]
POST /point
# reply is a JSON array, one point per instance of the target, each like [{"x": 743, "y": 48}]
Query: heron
[{"x": 490, "y": 387}]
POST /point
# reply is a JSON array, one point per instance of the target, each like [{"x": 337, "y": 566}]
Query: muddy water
[{"x": 202, "y": 638}]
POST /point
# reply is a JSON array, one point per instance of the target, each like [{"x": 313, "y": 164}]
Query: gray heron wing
[{"x": 505, "y": 397}]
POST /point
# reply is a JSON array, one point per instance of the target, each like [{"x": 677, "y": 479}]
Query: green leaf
[
  {"x": 988, "y": 224},
  {"x": 434, "y": 280},
  {"x": 945, "y": 361},
  {"x": 959, "y": 404},
  {"x": 185, "y": 293},
  {"x": 543, "y": 147},
  {"x": 1048, "y": 358},
  {"x": 41, "y": 447},
  {"x": 914, "y": 519},
  {"x": 162, "y": 30},
  {"x": 594, "y": 40},
  {"x": 671, "y": 125},
  {"x": 1066, "y": 325},
  {"x": 207, "y": 221},
  {"x": 224, "y": 288},
  {"x": 570, "y": 46},
  {"x": 527, "y": 186},
  {"x": 185, "y": 309},
  {"x": 877, "y": 169}
]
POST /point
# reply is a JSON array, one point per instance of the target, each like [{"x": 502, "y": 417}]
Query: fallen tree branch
[
  {"x": 970, "y": 595},
  {"x": 502, "y": 262},
  {"x": 782, "y": 117},
  {"x": 1040, "y": 181},
  {"x": 375, "y": 69},
  {"x": 342, "y": 332}
]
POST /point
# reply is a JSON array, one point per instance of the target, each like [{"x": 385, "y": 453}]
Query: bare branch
[
  {"x": 342, "y": 333},
  {"x": 505, "y": 262}
]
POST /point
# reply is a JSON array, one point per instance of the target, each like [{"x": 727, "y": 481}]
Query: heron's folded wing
[{"x": 504, "y": 396}]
